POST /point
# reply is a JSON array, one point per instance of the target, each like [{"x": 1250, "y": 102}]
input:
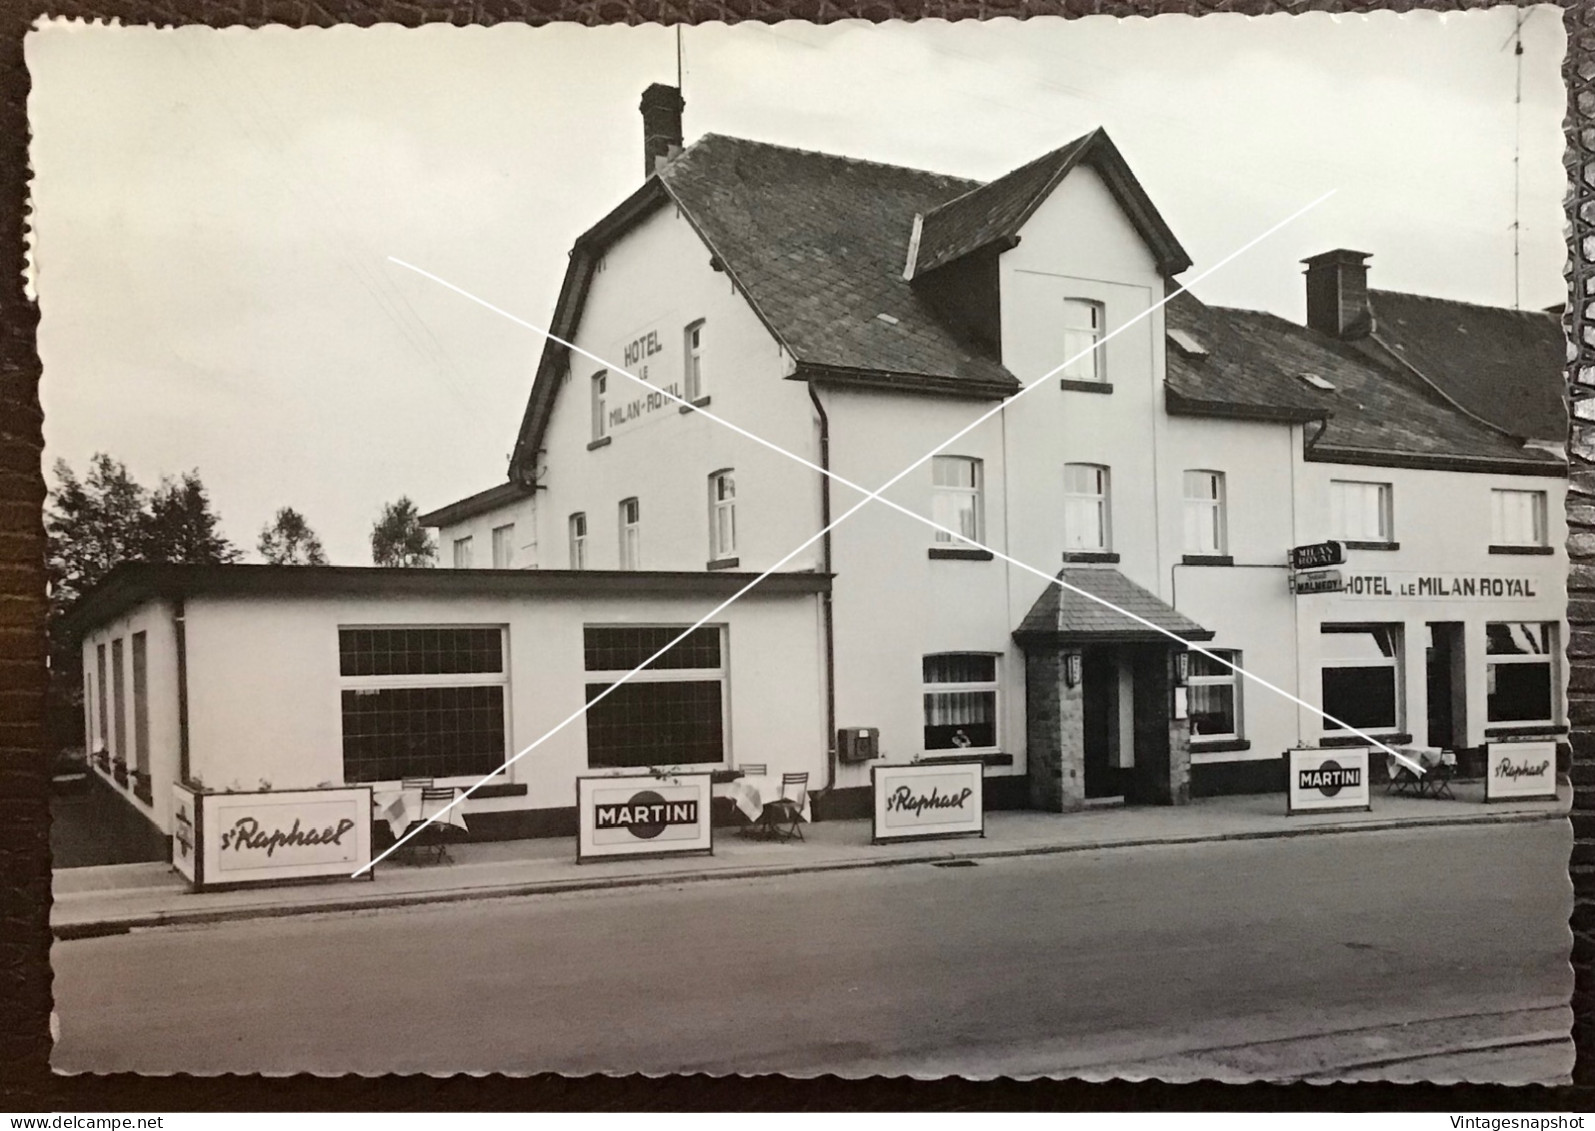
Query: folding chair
[
  {"x": 1437, "y": 781},
  {"x": 1402, "y": 778},
  {"x": 434, "y": 837},
  {"x": 782, "y": 816}
]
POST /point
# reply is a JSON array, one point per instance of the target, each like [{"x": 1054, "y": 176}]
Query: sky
[{"x": 214, "y": 210}]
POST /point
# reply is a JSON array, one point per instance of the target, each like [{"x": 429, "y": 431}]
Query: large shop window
[
  {"x": 1213, "y": 696},
  {"x": 1082, "y": 336},
  {"x": 961, "y": 694},
  {"x": 1360, "y": 512},
  {"x": 422, "y": 702},
  {"x": 956, "y": 504},
  {"x": 672, "y": 713},
  {"x": 1362, "y": 676},
  {"x": 1204, "y": 512},
  {"x": 1517, "y": 518},
  {"x": 1519, "y": 672},
  {"x": 1085, "y": 508}
]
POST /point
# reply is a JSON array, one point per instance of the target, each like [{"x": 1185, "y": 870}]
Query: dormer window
[{"x": 1082, "y": 334}]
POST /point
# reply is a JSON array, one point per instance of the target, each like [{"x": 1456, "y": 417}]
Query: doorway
[
  {"x": 1103, "y": 708},
  {"x": 1444, "y": 671}
]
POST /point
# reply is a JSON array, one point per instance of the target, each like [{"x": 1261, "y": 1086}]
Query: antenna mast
[{"x": 1517, "y": 152}]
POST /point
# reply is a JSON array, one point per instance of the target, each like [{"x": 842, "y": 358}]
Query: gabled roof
[
  {"x": 995, "y": 212},
  {"x": 1506, "y": 366},
  {"x": 479, "y": 503},
  {"x": 1061, "y": 615},
  {"x": 1374, "y": 413}
]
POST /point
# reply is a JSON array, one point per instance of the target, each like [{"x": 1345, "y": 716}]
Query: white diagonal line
[{"x": 875, "y": 496}]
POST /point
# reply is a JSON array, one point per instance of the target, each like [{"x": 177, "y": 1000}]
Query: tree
[
  {"x": 290, "y": 541},
  {"x": 181, "y": 527},
  {"x": 399, "y": 539}
]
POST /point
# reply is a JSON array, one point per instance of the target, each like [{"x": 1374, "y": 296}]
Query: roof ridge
[
  {"x": 1463, "y": 302},
  {"x": 838, "y": 157},
  {"x": 1012, "y": 172}
]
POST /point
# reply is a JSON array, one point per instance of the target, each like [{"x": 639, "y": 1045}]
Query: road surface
[{"x": 1437, "y": 953}]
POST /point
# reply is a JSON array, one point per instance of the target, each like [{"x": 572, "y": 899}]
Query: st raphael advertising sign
[
  {"x": 920, "y": 800},
  {"x": 642, "y": 815},
  {"x": 1520, "y": 771},
  {"x": 220, "y": 839},
  {"x": 1324, "y": 779}
]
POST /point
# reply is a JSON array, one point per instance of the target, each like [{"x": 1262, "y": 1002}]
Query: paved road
[{"x": 1444, "y": 948}]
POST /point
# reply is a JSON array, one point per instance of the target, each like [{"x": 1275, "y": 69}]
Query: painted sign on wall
[
  {"x": 1321, "y": 779},
  {"x": 1519, "y": 771},
  {"x": 924, "y": 800},
  {"x": 286, "y": 835},
  {"x": 642, "y": 815},
  {"x": 1444, "y": 586},
  {"x": 653, "y": 355},
  {"x": 185, "y": 831}
]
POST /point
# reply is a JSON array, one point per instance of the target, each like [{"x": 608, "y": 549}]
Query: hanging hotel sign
[
  {"x": 628, "y": 405},
  {"x": 1520, "y": 771},
  {"x": 249, "y": 838},
  {"x": 1444, "y": 586},
  {"x": 642, "y": 815},
  {"x": 1323, "y": 779},
  {"x": 923, "y": 800},
  {"x": 1317, "y": 581},
  {"x": 1317, "y": 555}
]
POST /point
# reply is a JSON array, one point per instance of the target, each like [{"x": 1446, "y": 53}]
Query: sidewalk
[{"x": 116, "y": 898}]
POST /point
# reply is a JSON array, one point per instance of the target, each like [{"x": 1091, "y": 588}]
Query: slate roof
[
  {"x": 996, "y": 211},
  {"x": 1374, "y": 412},
  {"x": 1503, "y": 365},
  {"x": 1061, "y": 614},
  {"x": 818, "y": 243}
]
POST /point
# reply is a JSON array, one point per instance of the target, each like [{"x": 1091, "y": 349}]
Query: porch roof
[{"x": 1063, "y": 615}]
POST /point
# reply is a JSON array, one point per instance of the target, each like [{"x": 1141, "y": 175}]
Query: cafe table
[
  {"x": 751, "y": 794},
  {"x": 402, "y": 807}
]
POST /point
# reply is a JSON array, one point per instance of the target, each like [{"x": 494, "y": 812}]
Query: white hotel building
[{"x": 859, "y": 314}]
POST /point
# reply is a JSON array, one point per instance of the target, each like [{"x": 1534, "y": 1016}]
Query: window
[
  {"x": 422, "y": 702},
  {"x": 956, "y": 503},
  {"x": 1518, "y": 672},
  {"x": 695, "y": 384},
  {"x": 600, "y": 385},
  {"x": 960, "y": 701},
  {"x": 1359, "y": 512},
  {"x": 141, "y": 717},
  {"x": 722, "y": 516},
  {"x": 1517, "y": 518},
  {"x": 504, "y": 546},
  {"x": 105, "y": 725},
  {"x": 1204, "y": 513},
  {"x": 630, "y": 534},
  {"x": 1085, "y": 508},
  {"x": 578, "y": 540},
  {"x": 119, "y": 709},
  {"x": 462, "y": 553},
  {"x": 1361, "y": 676},
  {"x": 670, "y": 714},
  {"x": 1213, "y": 696},
  {"x": 1082, "y": 331}
]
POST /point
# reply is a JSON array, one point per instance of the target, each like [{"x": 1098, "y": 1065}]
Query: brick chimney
[
  {"x": 1337, "y": 294},
  {"x": 661, "y": 125}
]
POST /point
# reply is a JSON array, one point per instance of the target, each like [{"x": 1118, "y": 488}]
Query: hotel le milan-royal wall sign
[
  {"x": 220, "y": 839},
  {"x": 921, "y": 801},
  {"x": 1520, "y": 771},
  {"x": 1322, "y": 779},
  {"x": 642, "y": 815}
]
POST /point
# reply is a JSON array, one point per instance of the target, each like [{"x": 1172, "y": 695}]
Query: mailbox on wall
[{"x": 858, "y": 744}]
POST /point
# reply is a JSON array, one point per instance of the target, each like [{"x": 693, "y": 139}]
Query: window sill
[
  {"x": 1207, "y": 560},
  {"x": 1092, "y": 556},
  {"x": 1524, "y": 730},
  {"x": 1086, "y": 386},
  {"x": 944, "y": 759},
  {"x": 724, "y": 563},
  {"x": 603, "y": 442},
  {"x": 692, "y": 406},
  {"x": 503, "y": 789},
  {"x": 959, "y": 554},
  {"x": 1338, "y": 740},
  {"x": 1522, "y": 550},
  {"x": 1219, "y": 746},
  {"x": 1370, "y": 545}
]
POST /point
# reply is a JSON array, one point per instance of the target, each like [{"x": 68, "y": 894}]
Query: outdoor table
[
  {"x": 401, "y": 808},
  {"x": 752, "y": 794}
]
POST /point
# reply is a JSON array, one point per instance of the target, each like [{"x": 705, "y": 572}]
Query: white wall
[
  {"x": 264, "y": 685},
  {"x": 479, "y": 528},
  {"x": 155, "y": 619}
]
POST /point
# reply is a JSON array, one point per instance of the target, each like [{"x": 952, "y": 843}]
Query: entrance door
[
  {"x": 1099, "y": 686},
  {"x": 1443, "y": 667}
]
